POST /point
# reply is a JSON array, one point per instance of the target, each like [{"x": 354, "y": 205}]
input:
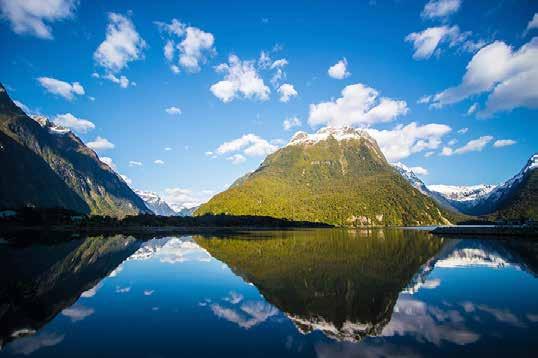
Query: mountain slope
[
  {"x": 517, "y": 198},
  {"x": 155, "y": 203},
  {"x": 335, "y": 176},
  {"x": 44, "y": 165}
]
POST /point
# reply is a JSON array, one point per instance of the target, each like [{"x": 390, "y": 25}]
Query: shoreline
[{"x": 503, "y": 231}]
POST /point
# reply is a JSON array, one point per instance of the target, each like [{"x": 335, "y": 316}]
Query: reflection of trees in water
[
  {"x": 45, "y": 279},
  {"x": 344, "y": 283}
]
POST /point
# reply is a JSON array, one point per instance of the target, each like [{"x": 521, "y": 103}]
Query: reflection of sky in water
[{"x": 172, "y": 298}]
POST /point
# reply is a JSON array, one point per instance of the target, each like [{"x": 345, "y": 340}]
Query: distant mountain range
[
  {"x": 160, "y": 207},
  {"x": 44, "y": 165},
  {"x": 514, "y": 199},
  {"x": 337, "y": 176}
]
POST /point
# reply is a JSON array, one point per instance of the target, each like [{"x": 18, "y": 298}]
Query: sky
[{"x": 181, "y": 98}]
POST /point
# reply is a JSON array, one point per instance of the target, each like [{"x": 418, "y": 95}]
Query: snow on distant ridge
[
  {"x": 463, "y": 193},
  {"x": 52, "y": 127},
  {"x": 340, "y": 134}
]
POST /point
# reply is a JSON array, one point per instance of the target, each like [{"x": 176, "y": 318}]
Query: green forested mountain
[
  {"x": 336, "y": 176},
  {"x": 46, "y": 166}
]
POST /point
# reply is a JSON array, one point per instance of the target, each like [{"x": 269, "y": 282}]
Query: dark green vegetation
[
  {"x": 45, "y": 279},
  {"x": 521, "y": 203},
  {"x": 349, "y": 280},
  {"x": 346, "y": 183},
  {"x": 45, "y": 169}
]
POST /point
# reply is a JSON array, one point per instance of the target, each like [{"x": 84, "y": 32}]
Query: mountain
[
  {"x": 418, "y": 184},
  {"x": 155, "y": 203},
  {"x": 44, "y": 165},
  {"x": 514, "y": 199},
  {"x": 337, "y": 176},
  {"x": 187, "y": 211}
]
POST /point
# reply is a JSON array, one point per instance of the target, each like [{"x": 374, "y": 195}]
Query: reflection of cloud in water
[
  {"x": 116, "y": 271},
  {"x": 148, "y": 292},
  {"x": 234, "y": 298},
  {"x": 28, "y": 345},
  {"x": 427, "y": 284},
  {"x": 428, "y": 323},
  {"x": 368, "y": 349},
  {"x": 92, "y": 291},
  {"x": 248, "y": 315},
  {"x": 501, "y": 315},
  {"x": 78, "y": 312},
  {"x": 171, "y": 250},
  {"x": 532, "y": 317},
  {"x": 122, "y": 289}
]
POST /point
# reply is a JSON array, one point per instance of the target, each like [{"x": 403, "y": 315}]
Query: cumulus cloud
[
  {"x": 472, "y": 109},
  {"x": 440, "y": 8},
  {"x": 510, "y": 77},
  {"x": 237, "y": 159},
  {"x": 286, "y": 91},
  {"x": 403, "y": 141},
  {"x": 475, "y": 145},
  {"x": 504, "y": 143},
  {"x": 122, "y": 44},
  {"x": 31, "y": 16},
  {"x": 100, "y": 144},
  {"x": 134, "y": 163},
  {"x": 191, "y": 44},
  {"x": 417, "y": 170},
  {"x": 122, "y": 80},
  {"x": 533, "y": 24},
  {"x": 359, "y": 105},
  {"x": 61, "y": 88},
  {"x": 463, "y": 130},
  {"x": 290, "y": 123},
  {"x": 427, "y": 41},
  {"x": 158, "y": 162},
  {"x": 240, "y": 80},
  {"x": 339, "y": 70},
  {"x": 68, "y": 120},
  {"x": 173, "y": 110},
  {"x": 250, "y": 144},
  {"x": 180, "y": 198},
  {"x": 108, "y": 161}
]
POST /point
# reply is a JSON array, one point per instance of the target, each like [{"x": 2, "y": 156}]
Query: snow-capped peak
[
  {"x": 154, "y": 202},
  {"x": 463, "y": 193},
  {"x": 340, "y": 134}
]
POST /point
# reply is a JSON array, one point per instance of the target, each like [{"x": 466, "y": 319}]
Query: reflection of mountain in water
[
  {"x": 45, "y": 279},
  {"x": 171, "y": 250},
  {"x": 335, "y": 281}
]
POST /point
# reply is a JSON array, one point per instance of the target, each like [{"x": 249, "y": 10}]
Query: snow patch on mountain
[
  {"x": 340, "y": 134},
  {"x": 155, "y": 203},
  {"x": 52, "y": 127},
  {"x": 463, "y": 193}
]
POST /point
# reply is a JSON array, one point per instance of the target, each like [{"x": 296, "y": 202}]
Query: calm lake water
[{"x": 313, "y": 293}]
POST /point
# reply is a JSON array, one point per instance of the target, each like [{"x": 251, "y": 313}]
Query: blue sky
[{"x": 365, "y": 64}]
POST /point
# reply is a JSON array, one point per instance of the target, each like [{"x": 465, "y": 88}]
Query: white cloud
[
  {"x": 472, "y": 109},
  {"x": 108, "y": 161},
  {"x": 179, "y": 198},
  {"x": 339, "y": 70},
  {"x": 78, "y": 312},
  {"x": 452, "y": 142},
  {"x": 122, "y": 44},
  {"x": 61, "y": 88},
  {"x": 504, "y": 143},
  {"x": 100, "y": 144},
  {"x": 22, "y": 106},
  {"x": 237, "y": 159},
  {"x": 463, "y": 130},
  {"x": 440, "y": 8},
  {"x": 402, "y": 141},
  {"x": 173, "y": 110},
  {"x": 475, "y": 145},
  {"x": 424, "y": 99},
  {"x": 167, "y": 149},
  {"x": 427, "y": 41},
  {"x": 290, "y": 123},
  {"x": 31, "y": 16},
  {"x": 123, "y": 81},
  {"x": 193, "y": 45},
  {"x": 250, "y": 144},
  {"x": 241, "y": 79},
  {"x": 158, "y": 161},
  {"x": 511, "y": 78},
  {"x": 533, "y": 24},
  {"x": 429, "y": 154},
  {"x": 417, "y": 170},
  {"x": 359, "y": 105},
  {"x": 286, "y": 91},
  {"x": 134, "y": 163},
  {"x": 68, "y": 120}
]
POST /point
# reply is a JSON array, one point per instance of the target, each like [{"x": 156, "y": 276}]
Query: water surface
[{"x": 312, "y": 293}]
